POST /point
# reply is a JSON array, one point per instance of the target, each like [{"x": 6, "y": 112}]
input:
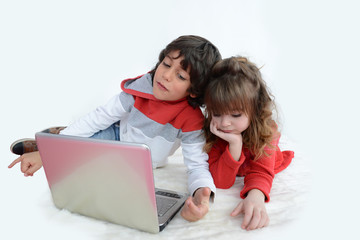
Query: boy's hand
[
  {"x": 197, "y": 207},
  {"x": 253, "y": 207},
  {"x": 29, "y": 163}
]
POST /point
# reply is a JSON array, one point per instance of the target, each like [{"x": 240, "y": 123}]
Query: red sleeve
[
  {"x": 223, "y": 167},
  {"x": 259, "y": 174}
]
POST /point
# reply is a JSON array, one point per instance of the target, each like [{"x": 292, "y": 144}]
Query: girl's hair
[
  {"x": 199, "y": 56},
  {"x": 236, "y": 85}
]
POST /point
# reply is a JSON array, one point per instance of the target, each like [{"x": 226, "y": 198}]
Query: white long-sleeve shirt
[{"x": 163, "y": 126}]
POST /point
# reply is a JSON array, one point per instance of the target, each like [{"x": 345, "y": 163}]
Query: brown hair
[
  {"x": 236, "y": 85},
  {"x": 200, "y": 55}
]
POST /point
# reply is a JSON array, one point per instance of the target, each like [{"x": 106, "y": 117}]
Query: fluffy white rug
[{"x": 288, "y": 199}]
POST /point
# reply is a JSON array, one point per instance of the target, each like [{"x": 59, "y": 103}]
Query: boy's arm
[
  {"x": 197, "y": 165},
  {"x": 102, "y": 117},
  {"x": 200, "y": 183}
]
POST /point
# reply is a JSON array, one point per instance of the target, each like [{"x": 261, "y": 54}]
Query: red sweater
[{"x": 258, "y": 174}]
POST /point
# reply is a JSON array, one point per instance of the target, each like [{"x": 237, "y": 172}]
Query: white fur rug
[{"x": 288, "y": 199}]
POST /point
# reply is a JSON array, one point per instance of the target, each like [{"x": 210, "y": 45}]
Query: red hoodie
[{"x": 258, "y": 174}]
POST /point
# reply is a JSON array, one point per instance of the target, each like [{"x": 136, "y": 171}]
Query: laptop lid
[{"x": 106, "y": 180}]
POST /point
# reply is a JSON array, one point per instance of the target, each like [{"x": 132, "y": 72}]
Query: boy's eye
[
  {"x": 165, "y": 64},
  {"x": 181, "y": 77}
]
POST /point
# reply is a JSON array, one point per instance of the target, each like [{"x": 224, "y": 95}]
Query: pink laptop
[{"x": 107, "y": 180}]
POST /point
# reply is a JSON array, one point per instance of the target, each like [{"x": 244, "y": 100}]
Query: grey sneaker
[{"x": 27, "y": 145}]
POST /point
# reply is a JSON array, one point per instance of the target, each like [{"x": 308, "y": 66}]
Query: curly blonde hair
[{"x": 236, "y": 85}]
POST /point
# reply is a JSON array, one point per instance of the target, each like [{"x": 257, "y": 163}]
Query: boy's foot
[
  {"x": 24, "y": 145},
  {"x": 53, "y": 130},
  {"x": 27, "y": 145}
]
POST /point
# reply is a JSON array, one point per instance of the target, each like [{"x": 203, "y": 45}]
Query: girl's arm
[
  {"x": 225, "y": 157},
  {"x": 223, "y": 167},
  {"x": 259, "y": 174}
]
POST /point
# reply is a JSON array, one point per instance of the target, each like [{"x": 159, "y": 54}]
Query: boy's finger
[
  {"x": 15, "y": 162},
  {"x": 25, "y": 166},
  {"x": 31, "y": 170},
  {"x": 188, "y": 210}
]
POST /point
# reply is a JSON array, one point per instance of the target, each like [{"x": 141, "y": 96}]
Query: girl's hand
[
  {"x": 234, "y": 139},
  {"x": 231, "y": 138},
  {"x": 253, "y": 207},
  {"x": 29, "y": 163}
]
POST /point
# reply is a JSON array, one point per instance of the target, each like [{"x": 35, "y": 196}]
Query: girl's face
[
  {"x": 171, "y": 81},
  {"x": 234, "y": 123}
]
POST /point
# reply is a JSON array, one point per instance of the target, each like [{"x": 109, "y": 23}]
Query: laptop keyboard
[
  {"x": 163, "y": 204},
  {"x": 167, "y": 194}
]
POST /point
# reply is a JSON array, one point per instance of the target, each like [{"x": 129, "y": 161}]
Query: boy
[{"x": 160, "y": 109}]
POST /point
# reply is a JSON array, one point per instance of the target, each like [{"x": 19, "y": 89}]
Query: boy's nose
[{"x": 167, "y": 75}]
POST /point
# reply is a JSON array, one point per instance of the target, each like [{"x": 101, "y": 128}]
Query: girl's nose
[{"x": 225, "y": 121}]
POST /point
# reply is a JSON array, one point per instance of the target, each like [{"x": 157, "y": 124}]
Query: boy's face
[{"x": 171, "y": 81}]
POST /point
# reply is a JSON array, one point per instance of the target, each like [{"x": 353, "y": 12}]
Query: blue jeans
[{"x": 111, "y": 133}]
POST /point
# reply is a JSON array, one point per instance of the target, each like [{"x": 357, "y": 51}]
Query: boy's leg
[
  {"x": 111, "y": 133},
  {"x": 27, "y": 145}
]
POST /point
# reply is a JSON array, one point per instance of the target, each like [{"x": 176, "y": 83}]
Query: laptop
[{"x": 107, "y": 180}]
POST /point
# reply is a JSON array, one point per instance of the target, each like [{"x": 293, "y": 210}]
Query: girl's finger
[
  {"x": 249, "y": 211},
  {"x": 255, "y": 220},
  {"x": 237, "y": 210},
  {"x": 264, "y": 220}
]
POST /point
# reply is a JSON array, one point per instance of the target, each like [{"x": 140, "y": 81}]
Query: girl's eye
[
  {"x": 236, "y": 115},
  {"x": 216, "y": 115}
]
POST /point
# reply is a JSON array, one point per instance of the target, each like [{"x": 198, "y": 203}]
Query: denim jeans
[{"x": 111, "y": 133}]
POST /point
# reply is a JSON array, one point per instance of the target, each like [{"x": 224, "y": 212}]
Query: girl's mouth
[{"x": 225, "y": 131}]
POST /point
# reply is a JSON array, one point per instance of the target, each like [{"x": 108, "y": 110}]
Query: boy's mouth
[{"x": 162, "y": 87}]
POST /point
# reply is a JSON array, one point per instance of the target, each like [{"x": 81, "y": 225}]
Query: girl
[{"x": 241, "y": 136}]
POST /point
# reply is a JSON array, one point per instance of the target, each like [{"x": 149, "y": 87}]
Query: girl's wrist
[
  {"x": 235, "y": 151},
  {"x": 256, "y": 193}
]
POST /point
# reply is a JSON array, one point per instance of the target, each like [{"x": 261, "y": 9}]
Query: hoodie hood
[{"x": 140, "y": 86}]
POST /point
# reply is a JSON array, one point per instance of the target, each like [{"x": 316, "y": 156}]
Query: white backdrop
[{"x": 61, "y": 59}]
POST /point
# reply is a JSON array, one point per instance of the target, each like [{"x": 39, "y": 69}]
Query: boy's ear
[{"x": 192, "y": 95}]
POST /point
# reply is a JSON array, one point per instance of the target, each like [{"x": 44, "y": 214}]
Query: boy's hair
[
  {"x": 236, "y": 85},
  {"x": 199, "y": 56}
]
